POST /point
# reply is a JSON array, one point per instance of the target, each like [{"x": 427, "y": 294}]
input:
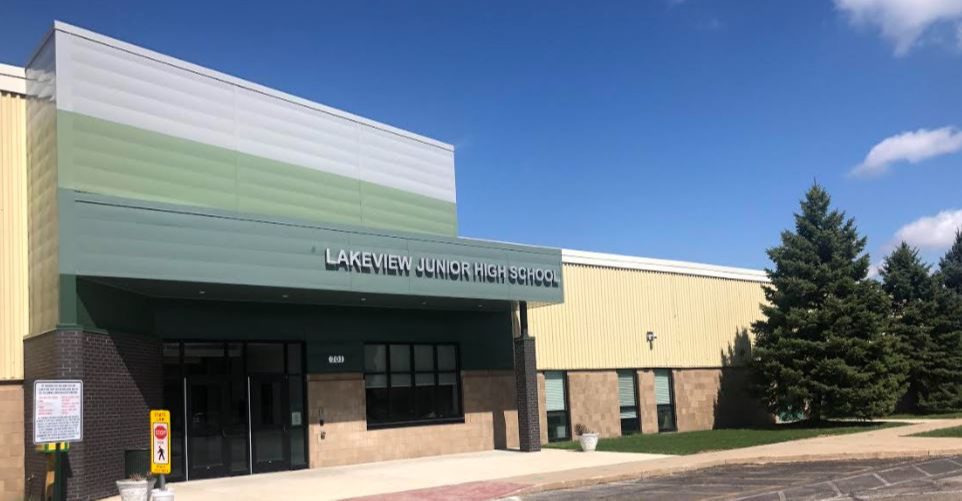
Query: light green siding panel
[
  {"x": 393, "y": 208},
  {"x": 269, "y": 187},
  {"x": 99, "y": 156}
]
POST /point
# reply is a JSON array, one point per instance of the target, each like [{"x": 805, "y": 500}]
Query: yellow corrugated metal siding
[
  {"x": 607, "y": 311},
  {"x": 13, "y": 236}
]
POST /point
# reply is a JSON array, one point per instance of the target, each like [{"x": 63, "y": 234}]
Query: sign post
[
  {"x": 160, "y": 445},
  {"x": 57, "y": 421}
]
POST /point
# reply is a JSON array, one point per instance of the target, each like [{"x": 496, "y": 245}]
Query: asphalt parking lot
[{"x": 931, "y": 479}]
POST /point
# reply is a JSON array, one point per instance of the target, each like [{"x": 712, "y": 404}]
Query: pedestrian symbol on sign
[{"x": 160, "y": 443}]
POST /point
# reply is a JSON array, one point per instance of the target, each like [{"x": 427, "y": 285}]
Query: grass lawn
[
  {"x": 716, "y": 440},
  {"x": 953, "y": 432},
  {"x": 944, "y": 415}
]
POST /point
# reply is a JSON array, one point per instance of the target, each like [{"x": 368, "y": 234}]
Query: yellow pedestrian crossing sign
[{"x": 160, "y": 442}]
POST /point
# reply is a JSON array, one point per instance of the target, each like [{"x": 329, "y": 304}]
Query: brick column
[
  {"x": 123, "y": 380},
  {"x": 526, "y": 377}
]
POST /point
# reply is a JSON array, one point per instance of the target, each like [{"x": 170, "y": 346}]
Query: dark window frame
[
  {"x": 566, "y": 412},
  {"x": 670, "y": 407},
  {"x": 413, "y": 372},
  {"x": 637, "y": 406}
]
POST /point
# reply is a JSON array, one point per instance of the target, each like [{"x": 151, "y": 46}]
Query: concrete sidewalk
[
  {"x": 474, "y": 473},
  {"x": 495, "y": 474}
]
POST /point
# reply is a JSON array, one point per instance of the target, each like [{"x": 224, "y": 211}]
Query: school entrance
[{"x": 237, "y": 408}]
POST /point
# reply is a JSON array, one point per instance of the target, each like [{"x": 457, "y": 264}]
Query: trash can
[{"x": 136, "y": 462}]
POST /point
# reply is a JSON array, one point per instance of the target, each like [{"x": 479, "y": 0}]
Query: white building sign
[{"x": 58, "y": 411}]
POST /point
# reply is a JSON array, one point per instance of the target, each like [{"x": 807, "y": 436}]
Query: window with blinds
[
  {"x": 556, "y": 400},
  {"x": 664, "y": 399},
  {"x": 628, "y": 401}
]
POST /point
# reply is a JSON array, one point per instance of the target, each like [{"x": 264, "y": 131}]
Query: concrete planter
[
  {"x": 133, "y": 490},
  {"x": 159, "y": 495},
  {"x": 589, "y": 441}
]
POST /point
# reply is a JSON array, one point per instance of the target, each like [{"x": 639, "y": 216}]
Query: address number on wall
[{"x": 335, "y": 359}]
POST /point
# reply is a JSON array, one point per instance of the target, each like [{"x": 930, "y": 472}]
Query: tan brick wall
[
  {"x": 11, "y": 442},
  {"x": 593, "y": 400},
  {"x": 490, "y": 421},
  {"x": 715, "y": 398},
  {"x": 646, "y": 397},
  {"x": 696, "y": 392}
]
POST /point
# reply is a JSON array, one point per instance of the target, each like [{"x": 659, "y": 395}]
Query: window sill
[{"x": 421, "y": 422}]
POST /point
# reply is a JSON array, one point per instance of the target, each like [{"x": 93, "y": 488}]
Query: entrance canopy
[{"x": 119, "y": 238}]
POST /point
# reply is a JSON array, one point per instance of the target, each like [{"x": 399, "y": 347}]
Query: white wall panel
[
  {"x": 110, "y": 80},
  {"x": 390, "y": 160},
  {"x": 276, "y": 129},
  {"x": 103, "y": 82}
]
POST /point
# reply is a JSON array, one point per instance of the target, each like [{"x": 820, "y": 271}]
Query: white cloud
[
  {"x": 901, "y": 22},
  {"x": 911, "y": 146},
  {"x": 931, "y": 232}
]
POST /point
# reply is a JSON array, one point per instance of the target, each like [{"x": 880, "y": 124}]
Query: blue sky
[{"x": 662, "y": 128}]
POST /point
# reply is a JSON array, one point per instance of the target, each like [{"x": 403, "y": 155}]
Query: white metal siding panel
[
  {"x": 107, "y": 82},
  {"x": 288, "y": 132},
  {"x": 389, "y": 160},
  {"x": 111, "y": 84},
  {"x": 13, "y": 79}
]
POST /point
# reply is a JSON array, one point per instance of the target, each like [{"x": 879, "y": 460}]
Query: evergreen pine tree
[
  {"x": 912, "y": 292},
  {"x": 822, "y": 348},
  {"x": 950, "y": 266},
  {"x": 945, "y": 369}
]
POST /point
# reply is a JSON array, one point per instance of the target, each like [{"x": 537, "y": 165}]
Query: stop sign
[{"x": 160, "y": 432}]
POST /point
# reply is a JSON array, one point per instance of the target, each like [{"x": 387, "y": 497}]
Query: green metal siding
[
  {"x": 121, "y": 238},
  {"x": 99, "y": 156}
]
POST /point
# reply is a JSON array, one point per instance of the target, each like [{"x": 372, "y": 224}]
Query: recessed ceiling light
[
  {"x": 202, "y": 292},
  {"x": 285, "y": 296},
  {"x": 363, "y": 299}
]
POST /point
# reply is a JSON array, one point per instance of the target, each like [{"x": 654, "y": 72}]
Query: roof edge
[
  {"x": 569, "y": 256},
  {"x": 13, "y": 79},
  {"x": 200, "y": 70}
]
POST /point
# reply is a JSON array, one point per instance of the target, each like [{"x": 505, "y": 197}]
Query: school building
[{"x": 288, "y": 280}]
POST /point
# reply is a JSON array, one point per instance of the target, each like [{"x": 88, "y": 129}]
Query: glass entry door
[
  {"x": 240, "y": 407},
  {"x": 269, "y": 426},
  {"x": 207, "y": 409}
]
